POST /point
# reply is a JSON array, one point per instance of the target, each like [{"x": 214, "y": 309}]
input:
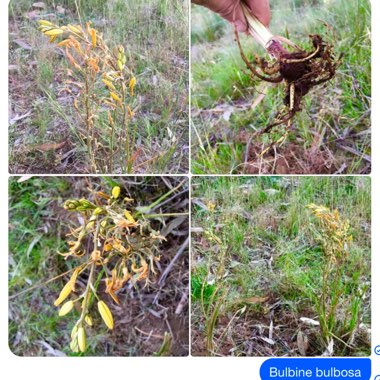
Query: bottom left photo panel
[{"x": 99, "y": 266}]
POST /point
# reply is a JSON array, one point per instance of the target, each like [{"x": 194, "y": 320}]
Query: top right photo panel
[{"x": 281, "y": 87}]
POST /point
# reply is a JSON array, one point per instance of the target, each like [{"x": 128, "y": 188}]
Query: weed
[
  {"x": 333, "y": 233},
  {"x": 106, "y": 132}
]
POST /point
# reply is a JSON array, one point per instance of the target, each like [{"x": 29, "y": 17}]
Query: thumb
[
  {"x": 260, "y": 9},
  {"x": 231, "y": 11}
]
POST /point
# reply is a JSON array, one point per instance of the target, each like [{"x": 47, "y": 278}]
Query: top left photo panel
[{"x": 98, "y": 87}]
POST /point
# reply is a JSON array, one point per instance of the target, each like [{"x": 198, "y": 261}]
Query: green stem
[
  {"x": 86, "y": 296},
  {"x": 146, "y": 209},
  {"x": 169, "y": 214}
]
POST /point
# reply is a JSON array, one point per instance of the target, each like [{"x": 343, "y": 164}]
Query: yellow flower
[
  {"x": 82, "y": 339},
  {"x": 45, "y": 23},
  {"x": 106, "y": 314},
  {"x": 132, "y": 85},
  {"x": 93, "y": 37},
  {"x": 65, "y": 292},
  {"x": 109, "y": 84},
  {"x": 115, "y": 97},
  {"x": 129, "y": 216},
  {"x": 88, "y": 320},
  {"x": 116, "y": 192},
  {"x": 54, "y": 32},
  {"x": 66, "y": 308}
]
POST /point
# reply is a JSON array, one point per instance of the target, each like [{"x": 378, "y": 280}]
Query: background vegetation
[
  {"x": 42, "y": 118},
  {"x": 257, "y": 266},
  {"x": 37, "y": 231},
  {"x": 331, "y": 134}
]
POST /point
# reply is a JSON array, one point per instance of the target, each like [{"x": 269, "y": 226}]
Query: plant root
[{"x": 300, "y": 71}]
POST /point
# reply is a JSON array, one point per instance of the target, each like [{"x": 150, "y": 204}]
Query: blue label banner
[{"x": 316, "y": 369}]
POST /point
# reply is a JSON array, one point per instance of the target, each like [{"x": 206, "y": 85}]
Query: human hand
[{"x": 232, "y": 11}]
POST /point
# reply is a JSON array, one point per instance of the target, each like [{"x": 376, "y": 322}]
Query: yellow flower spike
[
  {"x": 88, "y": 320},
  {"x": 66, "y": 308},
  {"x": 132, "y": 84},
  {"x": 82, "y": 339},
  {"x": 116, "y": 192},
  {"x": 65, "y": 292},
  {"x": 106, "y": 314}
]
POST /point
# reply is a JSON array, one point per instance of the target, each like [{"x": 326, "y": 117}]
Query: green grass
[
  {"x": 155, "y": 37},
  {"x": 340, "y": 108},
  {"x": 267, "y": 248}
]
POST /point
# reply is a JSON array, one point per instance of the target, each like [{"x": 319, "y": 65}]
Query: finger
[
  {"x": 231, "y": 11},
  {"x": 261, "y": 9}
]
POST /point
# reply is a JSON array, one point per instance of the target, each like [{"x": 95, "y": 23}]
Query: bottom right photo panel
[{"x": 281, "y": 266}]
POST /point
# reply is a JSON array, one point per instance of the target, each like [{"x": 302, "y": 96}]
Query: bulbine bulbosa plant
[
  {"x": 103, "y": 90},
  {"x": 114, "y": 245},
  {"x": 334, "y": 235}
]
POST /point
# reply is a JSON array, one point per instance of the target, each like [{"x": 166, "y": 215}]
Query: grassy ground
[
  {"x": 257, "y": 266},
  {"x": 331, "y": 133},
  {"x": 42, "y": 118},
  {"x": 37, "y": 231}
]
